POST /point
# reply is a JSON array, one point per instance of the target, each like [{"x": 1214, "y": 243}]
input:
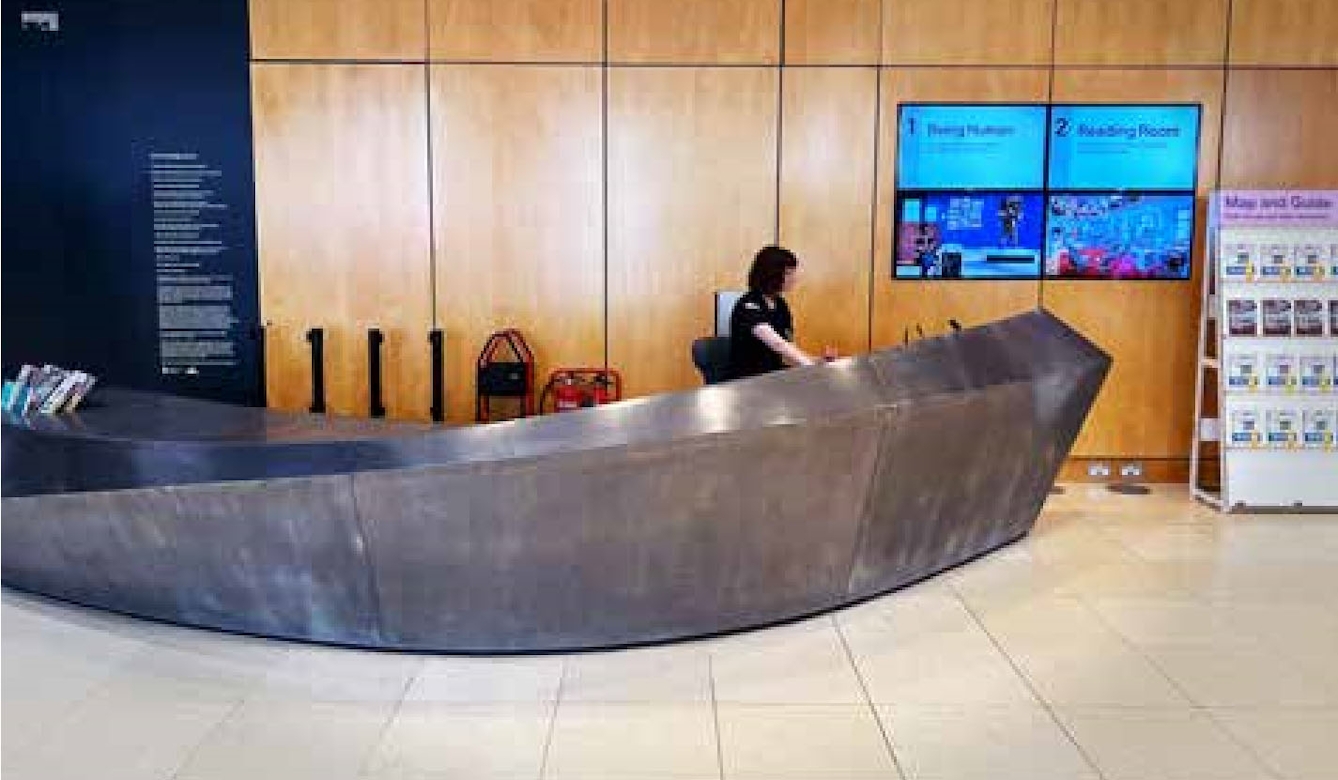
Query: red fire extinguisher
[{"x": 578, "y": 388}]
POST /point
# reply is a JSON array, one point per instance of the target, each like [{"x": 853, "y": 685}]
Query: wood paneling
[
  {"x": 1150, "y": 328},
  {"x": 342, "y": 222},
  {"x": 826, "y": 195},
  {"x": 517, "y": 30},
  {"x": 1284, "y": 32},
  {"x": 1140, "y": 32},
  {"x": 832, "y": 32},
  {"x": 700, "y": 32},
  {"x": 1280, "y": 129},
  {"x": 967, "y": 32},
  {"x": 518, "y": 209},
  {"x": 901, "y": 304},
  {"x": 338, "y": 29},
  {"x": 692, "y": 196}
]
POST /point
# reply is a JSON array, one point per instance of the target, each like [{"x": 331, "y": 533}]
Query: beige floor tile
[
  {"x": 985, "y": 743},
  {"x": 614, "y": 740},
  {"x": 1297, "y": 743},
  {"x": 955, "y": 663},
  {"x": 116, "y": 736},
  {"x": 426, "y": 739},
  {"x": 808, "y": 741},
  {"x": 333, "y": 674},
  {"x": 483, "y": 680},
  {"x": 1169, "y": 744},
  {"x": 1239, "y": 676},
  {"x": 656, "y": 674},
  {"x": 803, "y": 664},
  {"x": 290, "y": 740}
]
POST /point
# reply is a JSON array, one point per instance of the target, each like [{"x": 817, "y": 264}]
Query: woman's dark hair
[{"x": 767, "y": 275}]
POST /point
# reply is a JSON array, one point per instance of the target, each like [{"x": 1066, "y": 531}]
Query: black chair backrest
[{"x": 711, "y": 356}]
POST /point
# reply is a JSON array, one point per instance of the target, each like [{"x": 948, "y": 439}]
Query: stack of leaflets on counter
[{"x": 46, "y": 390}]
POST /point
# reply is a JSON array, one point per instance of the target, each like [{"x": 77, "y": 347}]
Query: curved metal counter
[{"x": 711, "y": 510}]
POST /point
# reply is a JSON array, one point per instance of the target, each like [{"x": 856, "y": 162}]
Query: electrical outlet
[
  {"x": 1098, "y": 469},
  {"x": 1131, "y": 470}
]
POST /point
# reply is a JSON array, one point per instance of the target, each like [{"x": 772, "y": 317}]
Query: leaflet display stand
[{"x": 1268, "y": 352}]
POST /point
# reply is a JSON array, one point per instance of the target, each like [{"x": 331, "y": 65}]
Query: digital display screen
[
  {"x": 971, "y": 147},
  {"x": 1123, "y": 147},
  {"x": 966, "y": 235},
  {"x": 1119, "y": 236}
]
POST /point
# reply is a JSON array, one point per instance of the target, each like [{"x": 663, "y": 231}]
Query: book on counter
[{"x": 47, "y": 390}]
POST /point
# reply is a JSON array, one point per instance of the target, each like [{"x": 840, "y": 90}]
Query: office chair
[{"x": 711, "y": 357}]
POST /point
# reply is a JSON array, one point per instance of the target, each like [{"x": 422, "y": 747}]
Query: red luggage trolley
[{"x": 504, "y": 378}]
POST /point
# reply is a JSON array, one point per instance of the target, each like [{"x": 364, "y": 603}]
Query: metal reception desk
[{"x": 716, "y": 509}]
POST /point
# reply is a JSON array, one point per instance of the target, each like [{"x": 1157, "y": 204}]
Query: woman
[{"x": 761, "y": 330}]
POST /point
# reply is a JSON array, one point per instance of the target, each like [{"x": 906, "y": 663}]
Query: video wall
[{"x": 1022, "y": 191}]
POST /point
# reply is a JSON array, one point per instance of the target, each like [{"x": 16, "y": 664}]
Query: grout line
[
  {"x": 715, "y": 716},
  {"x": 868, "y": 699},
  {"x": 1049, "y": 709},
  {"x": 390, "y": 721},
  {"x": 1193, "y": 704},
  {"x": 195, "y": 750},
  {"x": 552, "y": 719}
]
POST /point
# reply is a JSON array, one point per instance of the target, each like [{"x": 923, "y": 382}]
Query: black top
[{"x": 748, "y": 355}]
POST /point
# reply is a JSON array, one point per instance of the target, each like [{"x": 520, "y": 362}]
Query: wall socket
[
  {"x": 1098, "y": 469},
  {"x": 1131, "y": 469}
]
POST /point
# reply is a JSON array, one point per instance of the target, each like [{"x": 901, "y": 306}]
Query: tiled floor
[{"x": 1129, "y": 638}]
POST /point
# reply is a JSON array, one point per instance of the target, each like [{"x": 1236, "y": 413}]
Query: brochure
[
  {"x": 1316, "y": 373},
  {"x": 1243, "y": 316},
  {"x": 1317, "y": 429},
  {"x": 1280, "y": 372},
  {"x": 1276, "y": 263},
  {"x": 1312, "y": 262},
  {"x": 1245, "y": 430},
  {"x": 1284, "y": 427},
  {"x": 1242, "y": 372},
  {"x": 1238, "y": 262},
  {"x": 1277, "y": 317},
  {"x": 1309, "y": 317}
]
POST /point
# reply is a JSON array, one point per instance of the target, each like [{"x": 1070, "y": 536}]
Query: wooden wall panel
[
  {"x": 1140, "y": 32},
  {"x": 967, "y": 32},
  {"x": 826, "y": 193},
  {"x": 832, "y": 32},
  {"x": 518, "y": 210},
  {"x": 338, "y": 29},
  {"x": 1284, "y": 32},
  {"x": 517, "y": 30},
  {"x": 692, "y": 196},
  {"x": 901, "y": 304},
  {"x": 1280, "y": 129},
  {"x": 342, "y": 222},
  {"x": 1150, "y": 328},
  {"x": 694, "y": 32}
]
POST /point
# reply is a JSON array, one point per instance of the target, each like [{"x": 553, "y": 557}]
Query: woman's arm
[{"x": 792, "y": 355}]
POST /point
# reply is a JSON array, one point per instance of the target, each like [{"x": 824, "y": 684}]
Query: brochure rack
[{"x": 1268, "y": 351}]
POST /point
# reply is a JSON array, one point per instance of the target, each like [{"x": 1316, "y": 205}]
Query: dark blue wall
[{"x": 84, "y": 108}]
